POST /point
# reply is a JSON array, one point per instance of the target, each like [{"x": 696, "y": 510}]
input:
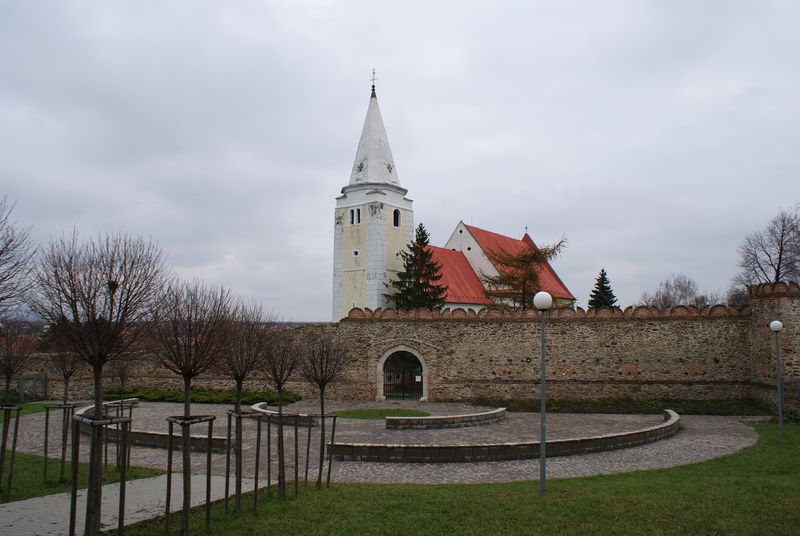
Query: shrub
[
  {"x": 683, "y": 407},
  {"x": 202, "y": 395}
]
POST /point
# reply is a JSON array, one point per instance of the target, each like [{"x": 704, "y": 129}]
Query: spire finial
[{"x": 373, "y": 83}]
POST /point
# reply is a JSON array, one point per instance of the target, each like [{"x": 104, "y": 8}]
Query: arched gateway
[{"x": 402, "y": 375}]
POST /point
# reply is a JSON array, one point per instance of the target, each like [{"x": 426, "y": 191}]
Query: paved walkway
[
  {"x": 702, "y": 438},
  {"x": 144, "y": 499}
]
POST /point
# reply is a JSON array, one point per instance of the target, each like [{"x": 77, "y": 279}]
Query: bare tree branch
[
  {"x": 189, "y": 329},
  {"x": 97, "y": 297},
  {"x": 15, "y": 259},
  {"x": 773, "y": 254},
  {"x": 323, "y": 363},
  {"x": 17, "y": 344}
]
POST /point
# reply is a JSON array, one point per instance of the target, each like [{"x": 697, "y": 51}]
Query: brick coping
[{"x": 481, "y": 452}]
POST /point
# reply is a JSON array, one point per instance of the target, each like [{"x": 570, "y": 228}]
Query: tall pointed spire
[{"x": 374, "y": 162}]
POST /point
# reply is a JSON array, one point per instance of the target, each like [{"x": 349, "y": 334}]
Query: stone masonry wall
[
  {"x": 639, "y": 353},
  {"x": 713, "y": 353}
]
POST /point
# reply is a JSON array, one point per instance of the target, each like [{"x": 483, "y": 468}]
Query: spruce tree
[
  {"x": 602, "y": 295},
  {"x": 417, "y": 285}
]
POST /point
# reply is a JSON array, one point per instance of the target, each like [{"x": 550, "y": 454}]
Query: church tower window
[{"x": 396, "y": 218}]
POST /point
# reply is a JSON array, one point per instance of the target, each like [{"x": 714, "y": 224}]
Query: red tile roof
[
  {"x": 463, "y": 285},
  {"x": 548, "y": 279}
]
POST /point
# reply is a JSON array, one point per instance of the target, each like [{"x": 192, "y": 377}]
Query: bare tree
[
  {"x": 97, "y": 295},
  {"x": 66, "y": 365},
  {"x": 281, "y": 361},
  {"x": 121, "y": 368},
  {"x": 679, "y": 289},
  {"x": 189, "y": 335},
  {"x": 773, "y": 254},
  {"x": 245, "y": 345},
  {"x": 17, "y": 344},
  {"x": 15, "y": 258},
  {"x": 323, "y": 364}
]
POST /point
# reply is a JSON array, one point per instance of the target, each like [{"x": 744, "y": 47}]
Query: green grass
[
  {"x": 753, "y": 492},
  {"x": 200, "y": 395},
  {"x": 683, "y": 407},
  {"x": 29, "y": 470},
  {"x": 379, "y": 413},
  {"x": 32, "y": 407}
]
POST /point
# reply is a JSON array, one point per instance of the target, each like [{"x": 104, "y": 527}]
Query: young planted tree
[
  {"x": 67, "y": 365},
  {"x": 517, "y": 278},
  {"x": 121, "y": 368},
  {"x": 97, "y": 295},
  {"x": 189, "y": 335},
  {"x": 602, "y": 295},
  {"x": 280, "y": 362},
  {"x": 417, "y": 285},
  {"x": 15, "y": 259},
  {"x": 245, "y": 346},
  {"x": 17, "y": 343},
  {"x": 323, "y": 363}
]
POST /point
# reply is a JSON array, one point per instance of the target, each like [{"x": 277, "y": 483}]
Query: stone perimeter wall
[{"x": 639, "y": 353}]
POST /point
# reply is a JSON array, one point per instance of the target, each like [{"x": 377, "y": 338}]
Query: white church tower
[{"x": 373, "y": 223}]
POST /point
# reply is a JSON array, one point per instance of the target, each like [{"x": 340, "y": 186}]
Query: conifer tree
[
  {"x": 517, "y": 278},
  {"x": 417, "y": 285},
  {"x": 602, "y": 295}
]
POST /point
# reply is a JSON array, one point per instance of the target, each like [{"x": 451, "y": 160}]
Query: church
[{"x": 374, "y": 222}]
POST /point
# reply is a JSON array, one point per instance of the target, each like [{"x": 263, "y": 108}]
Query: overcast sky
[{"x": 653, "y": 135}]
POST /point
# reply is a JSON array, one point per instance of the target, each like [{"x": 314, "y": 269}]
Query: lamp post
[
  {"x": 776, "y": 326},
  {"x": 542, "y": 301}
]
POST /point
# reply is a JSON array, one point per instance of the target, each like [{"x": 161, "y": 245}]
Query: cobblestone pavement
[{"x": 702, "y": 438}]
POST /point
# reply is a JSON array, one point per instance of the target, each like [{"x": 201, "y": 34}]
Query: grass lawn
[
  {"x": 31, "y": 407},
  {"x": 379, "y": 413},
  {"x": 756, "y": 491},
  {"x": 29, "y": 469}
]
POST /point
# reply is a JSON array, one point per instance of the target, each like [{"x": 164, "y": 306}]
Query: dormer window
[{"x": 396, "y": 218}]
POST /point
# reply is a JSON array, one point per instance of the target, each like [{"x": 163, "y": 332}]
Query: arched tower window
[
  {"x": 352, "y": 216},
  {"x": 396, "y": 218},
  {"x": 358, "y": 215}
]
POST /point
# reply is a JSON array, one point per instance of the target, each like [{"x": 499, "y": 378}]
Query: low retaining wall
[
  {"x": 366, "y": 452},
  {"x": 148, "y": 438},
  {"x": 288, "y": 418},
  {"x": 445, "y": 421}
]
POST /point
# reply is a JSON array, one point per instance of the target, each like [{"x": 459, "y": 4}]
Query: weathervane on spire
[{"x": 373, "y": 81}]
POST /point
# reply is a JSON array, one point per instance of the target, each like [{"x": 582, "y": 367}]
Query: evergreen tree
[
  {"x": 602, "y": 295},
  {"x": 416, "y": 286}
]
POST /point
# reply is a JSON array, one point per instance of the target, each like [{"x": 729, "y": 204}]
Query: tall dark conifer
[
  {"x": 417, "y": 285},
  {"x": 602, "y": 295}
]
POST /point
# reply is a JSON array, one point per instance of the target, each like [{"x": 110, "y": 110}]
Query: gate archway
[{"x": 402, "y": 375}]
